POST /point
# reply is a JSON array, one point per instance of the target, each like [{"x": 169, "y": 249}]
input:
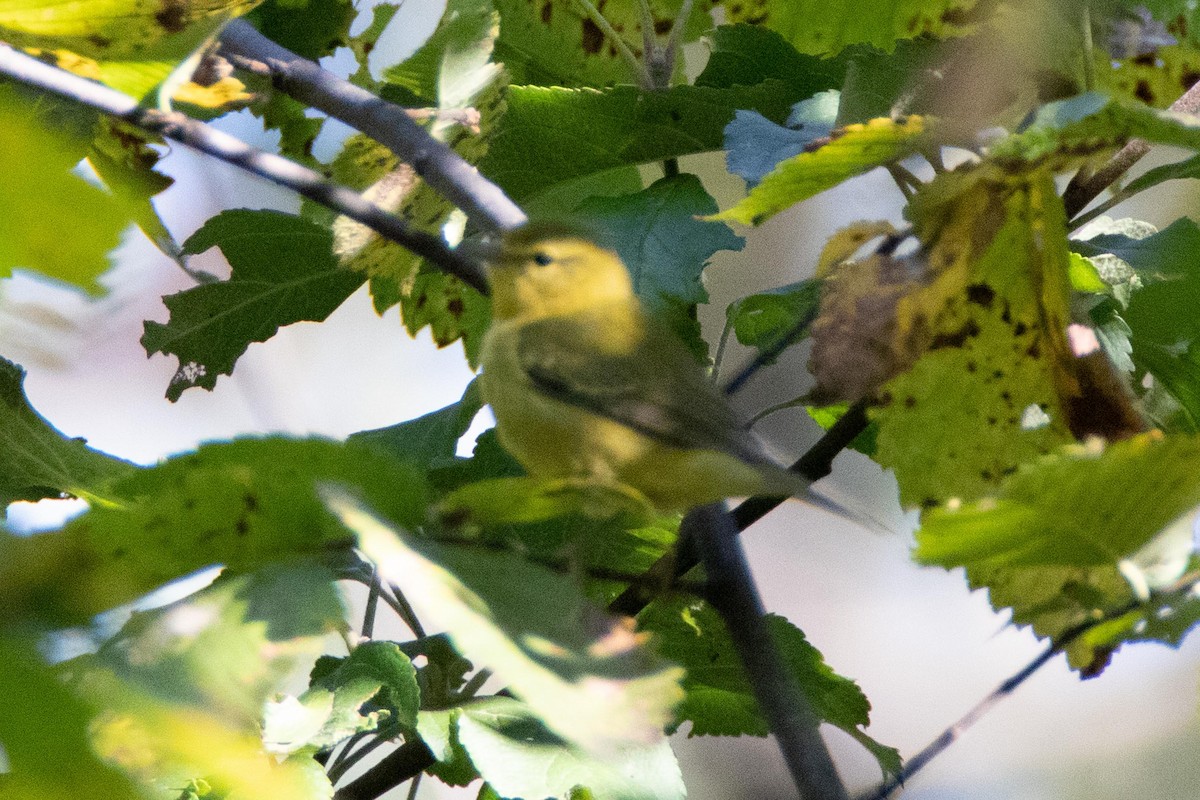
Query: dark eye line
[{"x": 542, "y": 259}]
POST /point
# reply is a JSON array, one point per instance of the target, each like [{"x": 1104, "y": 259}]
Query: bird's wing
[{"x": 654, "y": 386}]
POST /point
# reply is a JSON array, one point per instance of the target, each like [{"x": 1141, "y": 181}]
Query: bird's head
[{"x": 546, "y": 269}]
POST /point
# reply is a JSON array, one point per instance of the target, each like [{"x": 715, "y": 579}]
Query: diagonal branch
[
  {"x": 389, "y": 124},
  {"x": 1182, "y": 587},
  {"x": 232, "y": 150}
]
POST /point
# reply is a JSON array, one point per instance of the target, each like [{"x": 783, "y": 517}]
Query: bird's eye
[{"x": 542, "y": 259}]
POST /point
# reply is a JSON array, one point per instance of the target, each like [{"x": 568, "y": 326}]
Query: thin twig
[
  {"x": 368, "y": 626},
  {"x": 731, "y": 591},
  {"x": 1085, "y": 187},
  {"x": 231, "y": 150},
  {"x": 813, "y": 465},
  {"x": 399, "y": 603},
  {"x": 947, "y": 737},
  {"x": 387, "y": 123}
]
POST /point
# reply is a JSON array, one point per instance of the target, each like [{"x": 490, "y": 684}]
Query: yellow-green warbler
[{"x": 587, "y": 386}]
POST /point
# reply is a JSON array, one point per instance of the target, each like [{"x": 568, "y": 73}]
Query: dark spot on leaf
[
  {"x": 957, "y": 339},
  {"x": 189, "y": 503},
  {"x": 251, "y": 502},
  {"x": 242, "y": 526},
  {"x": 1019, "y": 329},
  {"x": 910, "y": 401},
  {"x": 662, "y": 26},
  {"x": 421, "y": 301},
  {"x": 676, "y": 116},
  {"x": 1100, "y": 660},
  {"x": 929, "y": 502},
  {"x": 547, "y": 12},
  {"x": 1006, "y": 397},
  {"x": 173, "y": 16},
  {"x": 885, "y": 399},
  {"x": 998, "y": 374},
  {"x": 1005, "y": 316},
  {"x": 986, "y": 475},
  {"x": 1188, "y": 78},
  {"x": 99, "y": 41},
  {"x": 456, "y": 307},
  {"x": 1146, "y": 59},
  {"x": 736, "y": 9},
  {"x": 992, "y": 420},
  {"x": 593, "y": 37},
  {"x": 955, "y": 16},
  {"x": 981, "y": 294},
  {"x": 971, "y": 366},
  {"x": 1143, "y": 92},
  {"x": 1035, "y": 350},
  {"x": 1012, "y": 420},
  {"x": 119, "y": 552}
]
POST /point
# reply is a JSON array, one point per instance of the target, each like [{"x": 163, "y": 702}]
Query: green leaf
[
  {"x": 762, "y": 320},
  {"x": 463, "y": 26},
  {"x": 250, "y": 632},
  {"x": 519, "y": 756},
  {"x": 852, "y": 151},
  {"x": 243, "y": 504},
  {"x": 459, "y": 74},
  {"x": 997, "y": 291},
  {"x": 131, "y": 45},
  {"x": 1061, "y": 542},
  {"x": 746, "y": 55},
  {"x": 585, "y": 675},
  {"x": 1063, "y": 132},
  {"x": 283, "y": 272},
  {"x": 439, "y": 731},
  {"x": 550, "y": 135},
  {"x": 1162, "y": 311},
  {"x": 657, "y": 235},
  {"x": 49, "y": 759},
  {"x": 823, "y": 28},
  {"x": 183, "y": 686},
  {"x": 719, "y": 700},
  {"x": 41, "y": 198},
  {"x": 555, "y": 42},
  {"x": 375, "y": 684},
  {"x": 311, "y": 29},
  {"x": 1064, "y": 510},
  {"x": 36, "y": 460},
  {"x": 364, "y": 43},
  {"x": 430, "y": 441}
]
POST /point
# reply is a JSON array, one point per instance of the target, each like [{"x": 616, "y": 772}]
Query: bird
[{"x": 587, "y": 386}]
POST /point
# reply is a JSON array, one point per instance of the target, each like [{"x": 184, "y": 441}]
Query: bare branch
[
  {"x": 389, "y": 124},
  {"x": 231, "y": 150}
]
